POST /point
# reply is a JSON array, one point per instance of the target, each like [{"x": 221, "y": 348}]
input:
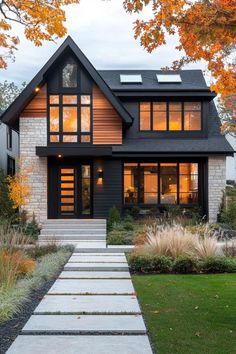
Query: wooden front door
[{"x": 74, "y": 191}]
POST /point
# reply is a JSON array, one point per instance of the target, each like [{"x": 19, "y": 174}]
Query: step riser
[
  {"x": 73, "y": 232},
  {"x": 78, "y": 244},
  {"x": 74, "y": 226},
  {"x": 75, "y": 221},
  {"x": 72, "y": 237}
]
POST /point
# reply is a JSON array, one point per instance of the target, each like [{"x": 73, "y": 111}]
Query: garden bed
[{"x": 19, "y": 302}]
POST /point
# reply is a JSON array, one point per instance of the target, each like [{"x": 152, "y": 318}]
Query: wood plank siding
[
  {"x": 107, "y": 124},
  {"x": 37, "y": 108}
]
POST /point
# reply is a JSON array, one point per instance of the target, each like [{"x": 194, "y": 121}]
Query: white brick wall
[
  {"x": 216, "y": 185},
  {"x": 33, "y": 132}
]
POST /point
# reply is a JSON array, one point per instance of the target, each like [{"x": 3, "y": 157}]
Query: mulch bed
[{"x": 10, "y": 329}]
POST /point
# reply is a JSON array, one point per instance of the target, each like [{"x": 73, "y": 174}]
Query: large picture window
[
  {"x": 69, "y": 118},
  {"x": 170, "y": 116},
  {"x": 160, "y": 183}
]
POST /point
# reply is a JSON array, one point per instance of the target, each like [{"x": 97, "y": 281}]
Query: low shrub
[
  {"x": 116, "y": 237},
  {"x": 230, "y": 249},
  {"x": 31, "y": 228},
  {"x": 128, "y": 218},
  {"x": 113, "y": 217},
  {"x": 185, "y": 265},
  {"x": 141, "y": 263},
  {"x": 40, "y": 251},
  {"x": 218, "y": 265},
  {"x": 228, "y": 216},
  {"x": 162, "y": 264},
  {"x": 128, "y": 226}
]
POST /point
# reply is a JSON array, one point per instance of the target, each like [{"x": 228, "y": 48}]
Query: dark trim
[
  {"x": 205, "y": 95},
  {"x": 9, "y": 138},
  {"x": 11, "y": 115},
  {"x": 90, "y": 151},
  {"x": 168, "y": 154}
]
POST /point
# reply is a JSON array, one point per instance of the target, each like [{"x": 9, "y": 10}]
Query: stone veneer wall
[
  {"x": 33, "y": 132},
  {"x": 216, "y": 185}
]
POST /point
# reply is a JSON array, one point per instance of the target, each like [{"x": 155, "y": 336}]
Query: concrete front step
[
  {"x": 59, "y": 232},
  {"x": 98, "y": 244},
  {"x": 67, "y": 274},
  {"x": 107, "y": 249},
  {"x": 88, "y": 324},
  {"x": 88, "y": 258},
  {"x": 73, "y": 237},
  {"x": 89, "y": 304},
  {"x": 92, "y": 287},
  {"x": 97, "y": 266},
  {"x": 68, "y": 226},
  {"x": 86, "y": 344}
]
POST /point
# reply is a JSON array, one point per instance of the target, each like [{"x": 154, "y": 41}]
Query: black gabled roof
[
  {"x": 192, "y": 81},
  {"x": 12, "y": 113}
]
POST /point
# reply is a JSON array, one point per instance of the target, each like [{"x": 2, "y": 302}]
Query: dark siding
[{"x": 110, "y": 193}]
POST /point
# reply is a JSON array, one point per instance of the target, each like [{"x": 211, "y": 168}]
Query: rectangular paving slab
[
  {"x": 97, "y": 266},
  {"x": 59, "y": 344},
  {"x": 67, "y": 274},
  {"x": 76, "y": 304},
  {"x": 113, "y": 324},
  {"x": 92, "y": 286},
  {"x": 97, "y": 259},
  {"x": 97, "y": 254}
]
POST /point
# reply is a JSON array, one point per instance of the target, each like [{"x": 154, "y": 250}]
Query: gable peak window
[
  {"x": 170, "y": 116},
  {"x": 69, "y": 75}
]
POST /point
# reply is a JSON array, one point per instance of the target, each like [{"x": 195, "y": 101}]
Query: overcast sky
[{"x": 104, "y": 32}]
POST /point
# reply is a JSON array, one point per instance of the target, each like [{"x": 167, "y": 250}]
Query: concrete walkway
[{"x": 90, "y": 309}]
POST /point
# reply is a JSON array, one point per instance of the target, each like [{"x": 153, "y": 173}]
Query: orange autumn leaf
[
  {"x": 206, "y": 30},
  {"x": 42, "y": 20}
]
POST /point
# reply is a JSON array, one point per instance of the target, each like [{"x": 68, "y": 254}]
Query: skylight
[
  {"x": 131, "y": 79},
  {"x": 165, "y": 78}
]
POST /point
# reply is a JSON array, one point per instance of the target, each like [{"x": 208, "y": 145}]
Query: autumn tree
[
  {"x": 206, "y": 30},
  {"x": 42, "y": 20},
  {"x": 19, "y": 186},
  {"x": 8, "y": 93},
  {"x": 227, "y": 110}
]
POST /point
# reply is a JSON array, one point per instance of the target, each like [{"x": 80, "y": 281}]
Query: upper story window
[
  {"x": 9, "y": 138},
  {"x": 69, "y": 118},
  {"x": 69, "y": 75},
  {"x": 170, "y": 116}
]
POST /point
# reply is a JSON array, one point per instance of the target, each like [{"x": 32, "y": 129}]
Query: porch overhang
[{"x": 47, "y": 151}]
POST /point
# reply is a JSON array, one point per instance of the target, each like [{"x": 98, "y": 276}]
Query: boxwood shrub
[
  {"x": 148, "y": 263},
  {"x": 185, "y": 265},
  {"x": 218, "y": 265}
]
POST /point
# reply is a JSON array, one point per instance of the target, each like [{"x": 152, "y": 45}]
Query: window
[
  {"x": 69, "y": 118},
  {"x": 192, "y": 116},
  {"x": 131, "y": 183},
  {"x": 11, "y": 166},
  {"x": 171, "y": 116},
  {"x": 145, "y": 116},
  {"x": 69, "y": 75},
  {"x": 9, "y": 138},
  {"x": 153, "y": 183}
]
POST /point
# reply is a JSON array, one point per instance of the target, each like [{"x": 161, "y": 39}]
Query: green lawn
[{"x": 189, "y": 313}]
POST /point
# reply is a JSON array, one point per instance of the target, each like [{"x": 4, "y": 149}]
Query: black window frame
[
  {"x": 168, "y": 102},
  {"x": 11, "y": 170},
  {"x": 78, "y": 133},
  {"x": 9, "y": 138},
  {"x": 159, "y": 204}
]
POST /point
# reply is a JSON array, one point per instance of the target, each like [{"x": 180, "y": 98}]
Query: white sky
[{"x": 104, "y": 32}]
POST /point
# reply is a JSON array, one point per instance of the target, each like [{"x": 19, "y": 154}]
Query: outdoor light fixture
[
  {"x": 100, "y": 177},
  {"x": 37, "y": 89},
  {"x": 59, "y": 156}
]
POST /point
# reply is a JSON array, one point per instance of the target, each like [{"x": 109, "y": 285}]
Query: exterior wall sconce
[
  {"x": 100, "y": 177},
  {"x": 59, "y": 156},
  {"x": 37, "y": 89}
]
